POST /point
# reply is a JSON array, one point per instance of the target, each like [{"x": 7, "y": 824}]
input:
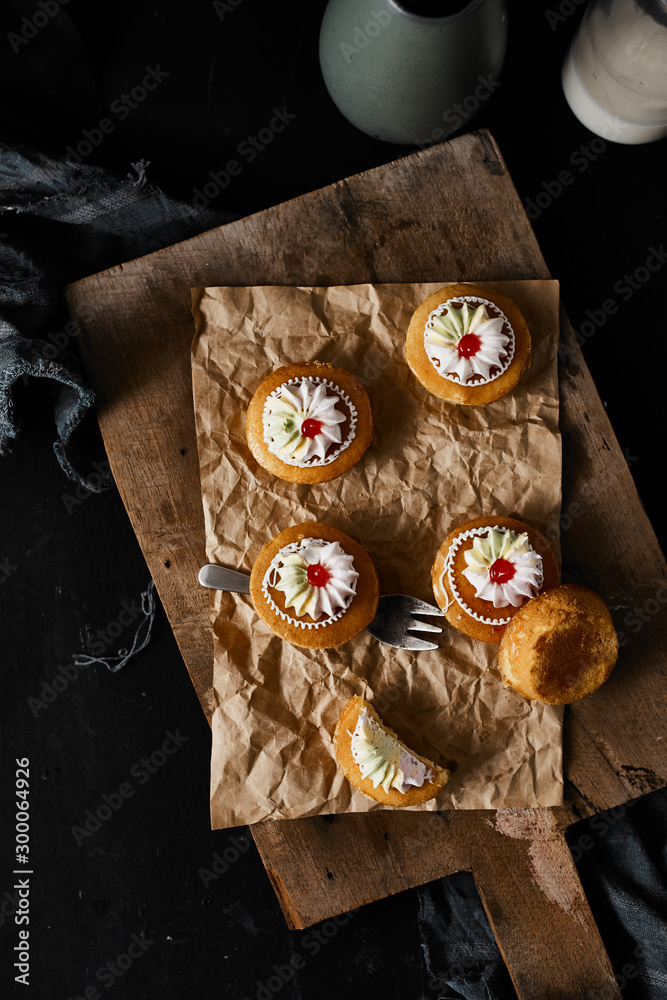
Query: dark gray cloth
[
  {"x": 58, "y": 222},
  {"x": 460, "y": 952}
]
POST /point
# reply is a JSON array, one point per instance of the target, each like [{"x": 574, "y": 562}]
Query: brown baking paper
[{"x": 431, "y": 465}]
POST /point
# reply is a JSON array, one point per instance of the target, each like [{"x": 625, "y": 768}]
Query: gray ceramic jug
[{"x": 406, "y": 76}]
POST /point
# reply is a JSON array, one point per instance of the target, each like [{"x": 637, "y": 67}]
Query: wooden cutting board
[{"x": 448, "y": 212}]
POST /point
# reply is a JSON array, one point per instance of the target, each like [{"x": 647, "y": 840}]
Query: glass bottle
[{"x": 615, "y": 72}]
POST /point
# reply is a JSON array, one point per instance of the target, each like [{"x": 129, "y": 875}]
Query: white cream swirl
[
  {"x": 317, "y": 578},
  {"x": 503, "y": 568},
  {"x": 466, "y": 344},
  {"x": 293, "y": 405},
  {"x": 383, "y": 760}
]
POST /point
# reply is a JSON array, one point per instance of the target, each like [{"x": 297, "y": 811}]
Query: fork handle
[{"x": 220, "y": 578}]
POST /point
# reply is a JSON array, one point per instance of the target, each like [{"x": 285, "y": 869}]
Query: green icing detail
[
  {"x": 455, "y": 323},
  {"x": 376, "y": 754},
  {"x": 293, "y": 583},
  {"x": 496, "y": 545}
]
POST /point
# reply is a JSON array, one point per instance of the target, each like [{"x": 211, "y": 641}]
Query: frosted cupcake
[
  {"x": 467, "y": 345},
  {"x": 314, "y": 586},
  {"x": 486, "y": 570},
  {"x": 309, "y": 422}
]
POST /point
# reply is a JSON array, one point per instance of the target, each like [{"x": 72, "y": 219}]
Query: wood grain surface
[{"x": 448, "y": 212}]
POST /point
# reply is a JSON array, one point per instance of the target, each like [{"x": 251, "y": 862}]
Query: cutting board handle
[{"x": 539, "y": 914}]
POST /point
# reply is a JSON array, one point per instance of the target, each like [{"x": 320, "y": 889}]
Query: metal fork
[{"x": 392, "y": 624}]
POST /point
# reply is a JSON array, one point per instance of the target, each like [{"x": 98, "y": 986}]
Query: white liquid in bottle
[{"x": 615, "y": 74}]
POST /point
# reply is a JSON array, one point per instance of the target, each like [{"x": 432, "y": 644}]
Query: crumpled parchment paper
[{"x": 431, "y": 466}]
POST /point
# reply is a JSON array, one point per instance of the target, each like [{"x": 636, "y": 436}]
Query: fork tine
[
  {"x": 419, "y": 626},
  {"x": 412, "y": 642},
  {"x": 418, "y": 607},
  {"x": 394, "y": 622},
  {"x": 403, "y": 641}
]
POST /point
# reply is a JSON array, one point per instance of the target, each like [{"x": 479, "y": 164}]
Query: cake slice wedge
[{"x": 378, "y": 763}]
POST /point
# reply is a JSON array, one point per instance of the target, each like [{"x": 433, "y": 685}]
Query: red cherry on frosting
[
  {"x": 469, "y": 345},
  {"x": 317, "y": 575},
  {"x": 501, "y": 571},
  {"x": 311, "y": 428}
]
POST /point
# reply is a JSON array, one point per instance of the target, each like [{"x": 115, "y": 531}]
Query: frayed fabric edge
[{"x": 141, "y": 638}]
